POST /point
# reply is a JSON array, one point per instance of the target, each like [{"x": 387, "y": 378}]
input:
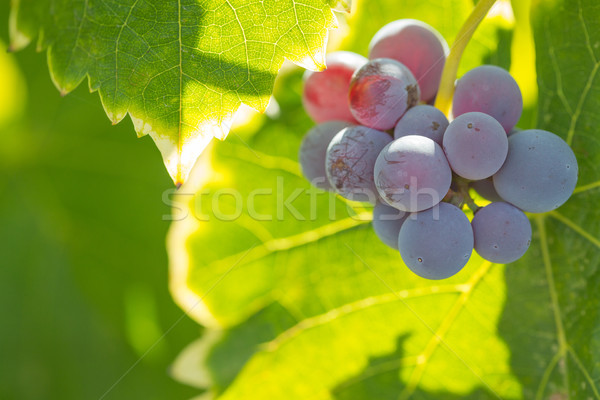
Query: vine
[{"x": 446, "y": 89}]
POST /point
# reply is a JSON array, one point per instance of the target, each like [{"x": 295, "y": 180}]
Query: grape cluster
[{"x": 380, "y": 140}]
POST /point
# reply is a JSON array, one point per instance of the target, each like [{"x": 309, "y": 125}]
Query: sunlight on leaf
[
  {"x": 298, "y": 280},
  {"x": 315, "y": 307},
  {"x": 321, "y": 277},
  {"x": 179, "y": 69}
]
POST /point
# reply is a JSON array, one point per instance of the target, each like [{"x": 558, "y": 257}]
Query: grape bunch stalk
[{"x": 379, "y": 139}]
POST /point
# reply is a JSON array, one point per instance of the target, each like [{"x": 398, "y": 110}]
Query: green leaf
[
  {"x": 351, "y": 299},
  {"x": 180, "y": 69},
  {"x": 551, "y": 319},
  {"x": 365, "y": 327}
]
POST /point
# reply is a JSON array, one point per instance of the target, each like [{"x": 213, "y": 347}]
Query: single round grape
[
  {"x": 380, "y": 93},
  {"x": 436, "y": 243},
  {"x": 387, "y": 222},
  {"x": 418, "y": 46},
  {"x": 325, "y": 95},
  {"x": 540, "y": 172},
  {"x": 350, "y": 160},
  {"x": 313, "y": 151},
  {"x": 423, "y": 120},
  {"x": 485, "y": 188},
  {"x": 412, "y": 173},
  {"x": 490, "y": 90},
  {"x": 475, "y": 145},
  {"x": 502, "y": 233}
]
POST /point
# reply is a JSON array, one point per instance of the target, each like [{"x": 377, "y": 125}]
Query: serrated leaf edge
[{"x": 179, "y": 158}]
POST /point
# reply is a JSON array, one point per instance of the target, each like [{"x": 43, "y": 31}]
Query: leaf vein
[
  {"x": 579, "y": 108},
  {"x": 586, "y": 188},
  {"x": 586, "y": 32},
  {"x": 559, "y": 217},
  {"x": 77, "y": 38},
  {"x": 302, "y": 239},
  {"x": 584, "y": 371},
  {"x": 357, "y": 306},
  {"x": 539, "y": 395},
  {"x": 559, "y": 85},
  {"x": 117, "y": 49},
  {"x": 438, "y": 336},
  {"x": 560, "y": 329}
]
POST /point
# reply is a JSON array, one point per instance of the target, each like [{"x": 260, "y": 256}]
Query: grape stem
[
  {"x": 446, "y": 89},
  {"x": 460, "y": 196},
  {"x": 463, "y": 191},
  {"x": 470, "y": 203},
  {"x": 454, "y": 198}
]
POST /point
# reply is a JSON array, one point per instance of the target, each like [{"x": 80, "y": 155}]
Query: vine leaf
[
  {"x": 298, "y": 296},
  {"x": 318, "y": 295},
  {"x": 551, "y": 319},
  {"x": 180, "y": 69},
  {"x": 313, "y": 306}
]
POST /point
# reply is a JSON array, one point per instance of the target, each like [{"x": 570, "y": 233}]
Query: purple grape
[
  {"x": 325, "y": 96},
  {"x": 381, "y": 92},
  {"x": 423, "y": 120},
  {"x": 490, "y": 90},
  {"x": 475, "y": 145},
  {"x": 436, "y": 243},
  {"x": 313, "y": 151},
  {"x": 350, "y": 160},
  {"x": 540, "y": 172},
  {"x": 502, "y": 233},
  {"x": 412, "y": 173},
  {"x": 387, "y": 222},
  {"x": 418, "y": 46},
  {"x": 485, "y": 188}
]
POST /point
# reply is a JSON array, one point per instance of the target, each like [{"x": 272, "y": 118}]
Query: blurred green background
[{"x": 83, "y": 265}]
